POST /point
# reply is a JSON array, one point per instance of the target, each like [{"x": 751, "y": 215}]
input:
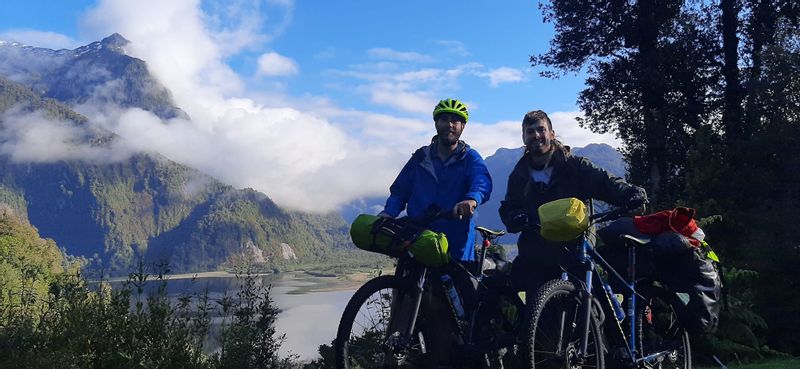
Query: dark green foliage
[
  {"x": 138, "y": 326},
  {"x": 52, "y": 319},
  {"x": 741, "y": 331},
  {"x": 705, "y": 97},
  {"x": 326, "y": 358},
  {"x": 28, "y": 264},
  {"x": 251, "y": 340}
]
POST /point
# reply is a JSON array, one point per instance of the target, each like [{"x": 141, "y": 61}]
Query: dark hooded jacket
[{"x": 572, "y": 176}]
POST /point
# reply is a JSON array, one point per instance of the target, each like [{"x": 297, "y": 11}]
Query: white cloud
[
  {"x": 50, "y": 40},
  {"x": 180, "y": 51},
  {"x": 570, "y": 133},
  {"x": 297, "y": 157},
  {"x": 32, "y": 137},
  {"x": 453, "y": 46},
  {"x": 487, "y": 138},
  {"x": 274, "y": 64},
  {"x": 390, "y": 54},
  {"x": 400, "y": 96},
  {"x": 301, "y": 161},
  {"x": 503, "y": 75},
  {"x": 282, "y": 2},
  {"x": 237, "y": 24},
  {"x": 414, "y": 91}
]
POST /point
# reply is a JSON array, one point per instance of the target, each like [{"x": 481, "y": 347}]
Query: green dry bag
[{"x": 394, "y": 237}]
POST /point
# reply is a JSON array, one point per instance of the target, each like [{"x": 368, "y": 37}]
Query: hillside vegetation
[
  {"x": 28, "y": 263},
  {"x": 55, "y": 319}
]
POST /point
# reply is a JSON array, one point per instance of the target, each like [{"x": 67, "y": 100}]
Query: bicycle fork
[
  {"x": 405, "y": 319},
  {"x": 417, "y": 304}
]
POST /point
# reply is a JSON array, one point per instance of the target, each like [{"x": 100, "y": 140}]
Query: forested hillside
[{"x": 28, "y": 263}]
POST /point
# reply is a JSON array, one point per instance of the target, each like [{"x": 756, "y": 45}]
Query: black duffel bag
[{"x": 672, "y": 260}]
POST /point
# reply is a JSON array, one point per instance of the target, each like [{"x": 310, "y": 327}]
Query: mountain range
[{"x": 145, "y": 206}]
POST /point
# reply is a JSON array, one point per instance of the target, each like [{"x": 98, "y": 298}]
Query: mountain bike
[
  {"x": 390, "y": 322},
  {"x": 572, "y": 318}
]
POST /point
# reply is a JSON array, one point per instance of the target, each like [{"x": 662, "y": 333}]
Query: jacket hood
[{"x": 461, "y": 150}]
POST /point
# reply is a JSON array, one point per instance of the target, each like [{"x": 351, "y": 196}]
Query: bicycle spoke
[
  {"x": 370, "y": 336},
  {"x": 556, "y": 339}
]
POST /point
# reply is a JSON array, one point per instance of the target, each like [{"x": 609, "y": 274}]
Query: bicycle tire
[
  {"x": 659, "y": 330},
  {"x": 553, "y": 339},
  {"x": 369, "y": 312}
]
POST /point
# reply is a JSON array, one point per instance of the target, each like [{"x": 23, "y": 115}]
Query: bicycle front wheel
[
  {"x": 555, "y": 337},
  {"x": 662, "y": 339},
  {"x": 372, "y": 331}
]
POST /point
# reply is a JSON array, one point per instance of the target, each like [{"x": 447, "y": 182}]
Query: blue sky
[{"x": 363, "y": 75}]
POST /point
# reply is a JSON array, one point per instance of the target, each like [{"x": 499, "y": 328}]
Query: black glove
[
  {"x": 637, "y": 202},
  {"x": 518, "y": 222}
]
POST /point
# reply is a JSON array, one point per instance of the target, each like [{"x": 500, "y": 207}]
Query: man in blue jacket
[{"x": 446, "y": 174}]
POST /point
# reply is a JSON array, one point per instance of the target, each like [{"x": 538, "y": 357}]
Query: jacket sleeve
[
  {"x": 514, "y": 204},
  {"x": 400, "y": 190},
  {"x": 605, "y": 186},
  {"x": 480, "y": 184}
]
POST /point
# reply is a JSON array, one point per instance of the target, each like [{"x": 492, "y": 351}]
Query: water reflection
[{"x": 310, "y": 306}]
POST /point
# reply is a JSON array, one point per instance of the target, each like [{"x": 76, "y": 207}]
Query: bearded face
[
  {"x": 538, "y": 137},
  {"x": 449, "y": 127}
]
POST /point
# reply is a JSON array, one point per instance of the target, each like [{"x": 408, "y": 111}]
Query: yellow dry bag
[{"x": 563, "y": 219}]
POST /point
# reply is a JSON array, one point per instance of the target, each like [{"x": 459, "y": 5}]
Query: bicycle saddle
[
  {"x": 486, "y": 232},
  {"x": 638, "y": 240}
]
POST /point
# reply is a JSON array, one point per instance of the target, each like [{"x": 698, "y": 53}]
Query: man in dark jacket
[{"x": 546, "y": 172}]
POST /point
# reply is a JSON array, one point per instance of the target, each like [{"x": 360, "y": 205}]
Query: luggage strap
[{"x": 401, "y": 233}]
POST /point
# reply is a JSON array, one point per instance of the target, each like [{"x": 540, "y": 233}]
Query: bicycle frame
[
  {"x": 589, "y": 257},
  {"x": 417, "y": 274}
]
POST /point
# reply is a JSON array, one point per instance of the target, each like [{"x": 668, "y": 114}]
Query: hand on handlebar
[
  {"x": 637, "y": 203},
  {"x": 464, "y": 209},
  {"x": 518, "y": 223}
]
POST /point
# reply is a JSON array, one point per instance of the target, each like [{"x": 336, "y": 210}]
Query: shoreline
[{"x": 303, "y": 281}]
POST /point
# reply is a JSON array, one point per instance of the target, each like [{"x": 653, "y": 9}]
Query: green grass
[{"x": 792, "y": 363}]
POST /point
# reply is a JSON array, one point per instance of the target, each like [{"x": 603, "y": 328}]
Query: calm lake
[{"x": 311, "y": 306}]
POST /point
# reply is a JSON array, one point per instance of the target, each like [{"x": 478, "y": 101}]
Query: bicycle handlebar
[{"x": 609, "y": 215}]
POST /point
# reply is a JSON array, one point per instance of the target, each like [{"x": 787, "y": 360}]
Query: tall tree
[
  {"x": 733, "y": 113},
  {"x": 628, "y": 47},
  {"x": 706, "y": 98}
]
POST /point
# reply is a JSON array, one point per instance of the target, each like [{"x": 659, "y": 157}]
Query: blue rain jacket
[{"x": 417, "y": 187}]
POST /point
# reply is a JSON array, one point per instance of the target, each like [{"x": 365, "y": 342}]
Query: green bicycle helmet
[{"x": 451, "y": 106}]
